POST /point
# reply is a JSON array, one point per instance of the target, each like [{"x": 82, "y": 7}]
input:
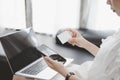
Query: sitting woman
[{"x": 106, "y": 65}]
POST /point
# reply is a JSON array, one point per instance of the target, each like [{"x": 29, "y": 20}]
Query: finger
[
  {"x": 49, "y": 59},
  {"x": 51, "y": 63},
  {"x": 72, "y": 41},
  {"x": 74, "y": 34},
  {"x": 48, "y": 62},
  {"x": 71, "y": 30}
]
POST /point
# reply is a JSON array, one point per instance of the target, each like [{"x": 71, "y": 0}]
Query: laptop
[{"x": 24, "y": 58}]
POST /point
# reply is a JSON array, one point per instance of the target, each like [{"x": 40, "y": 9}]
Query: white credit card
[{"x": 64, "y": 36}]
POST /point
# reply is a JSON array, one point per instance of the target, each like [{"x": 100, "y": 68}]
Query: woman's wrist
[
  {"x": 81, "y": 42},
  {"x": 71, "y": 76},
  {"x": 92, "y": 48},
  {"x": 63, "y": 72}
]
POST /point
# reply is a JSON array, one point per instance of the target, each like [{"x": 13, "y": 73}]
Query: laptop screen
[{"x": 19, "y": 49}]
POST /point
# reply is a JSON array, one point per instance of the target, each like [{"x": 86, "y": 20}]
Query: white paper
[{"x": 64, "y": 36}]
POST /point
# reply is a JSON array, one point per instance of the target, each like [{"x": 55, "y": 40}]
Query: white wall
[
  {"x": 101, "y": 17},
  {"x": 12, "y": 13},
  {"x": 51, "y": 15}
]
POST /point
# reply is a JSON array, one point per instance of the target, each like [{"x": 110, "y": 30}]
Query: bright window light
[
  {"x": 103, "y": 18},
  {"x": 12, "y": 14},
  {"x": 51, "y": 15}
]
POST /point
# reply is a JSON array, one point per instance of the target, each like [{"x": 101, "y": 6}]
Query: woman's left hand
[
  {"x": 56, "y": 66},
  {"x": 16, "y": 77}
]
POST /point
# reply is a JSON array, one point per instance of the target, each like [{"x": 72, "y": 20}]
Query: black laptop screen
[{"x": 19, "y": 49}]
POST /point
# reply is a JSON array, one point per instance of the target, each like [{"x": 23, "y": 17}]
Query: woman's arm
[
  {"x": 83, "y": 43},
  {"x": 78, "y": 40},
  {"x": 59, "y": 68}
]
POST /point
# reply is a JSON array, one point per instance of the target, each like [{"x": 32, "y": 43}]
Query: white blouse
[{"x": 106, "y": 65}]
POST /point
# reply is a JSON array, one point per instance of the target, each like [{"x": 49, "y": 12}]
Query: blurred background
[{"x": 48, "y": 16}]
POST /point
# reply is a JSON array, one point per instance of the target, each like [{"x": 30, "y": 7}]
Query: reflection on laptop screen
[{"x": 19, "y": 49}]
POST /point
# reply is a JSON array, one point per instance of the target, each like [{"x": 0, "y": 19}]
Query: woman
[{"x": 99, "y": 70}]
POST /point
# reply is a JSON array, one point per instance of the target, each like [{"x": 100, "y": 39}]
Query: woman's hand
[
  {"x": 56, "y": 66},
  {"x": 59, "y": 68},
  {"x": 76, "y": 39},
  {"x": 15, "y": 77},
  {"x": 80, "y": 41}
]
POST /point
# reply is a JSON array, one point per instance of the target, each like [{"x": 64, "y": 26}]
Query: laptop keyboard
[{"x": 36, "y": 68}]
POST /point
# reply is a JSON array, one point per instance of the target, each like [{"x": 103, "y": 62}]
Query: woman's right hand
[{"x": 76, "y": 39}]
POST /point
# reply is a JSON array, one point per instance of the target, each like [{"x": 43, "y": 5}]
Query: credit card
[{"x": 64, "y": 37}]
